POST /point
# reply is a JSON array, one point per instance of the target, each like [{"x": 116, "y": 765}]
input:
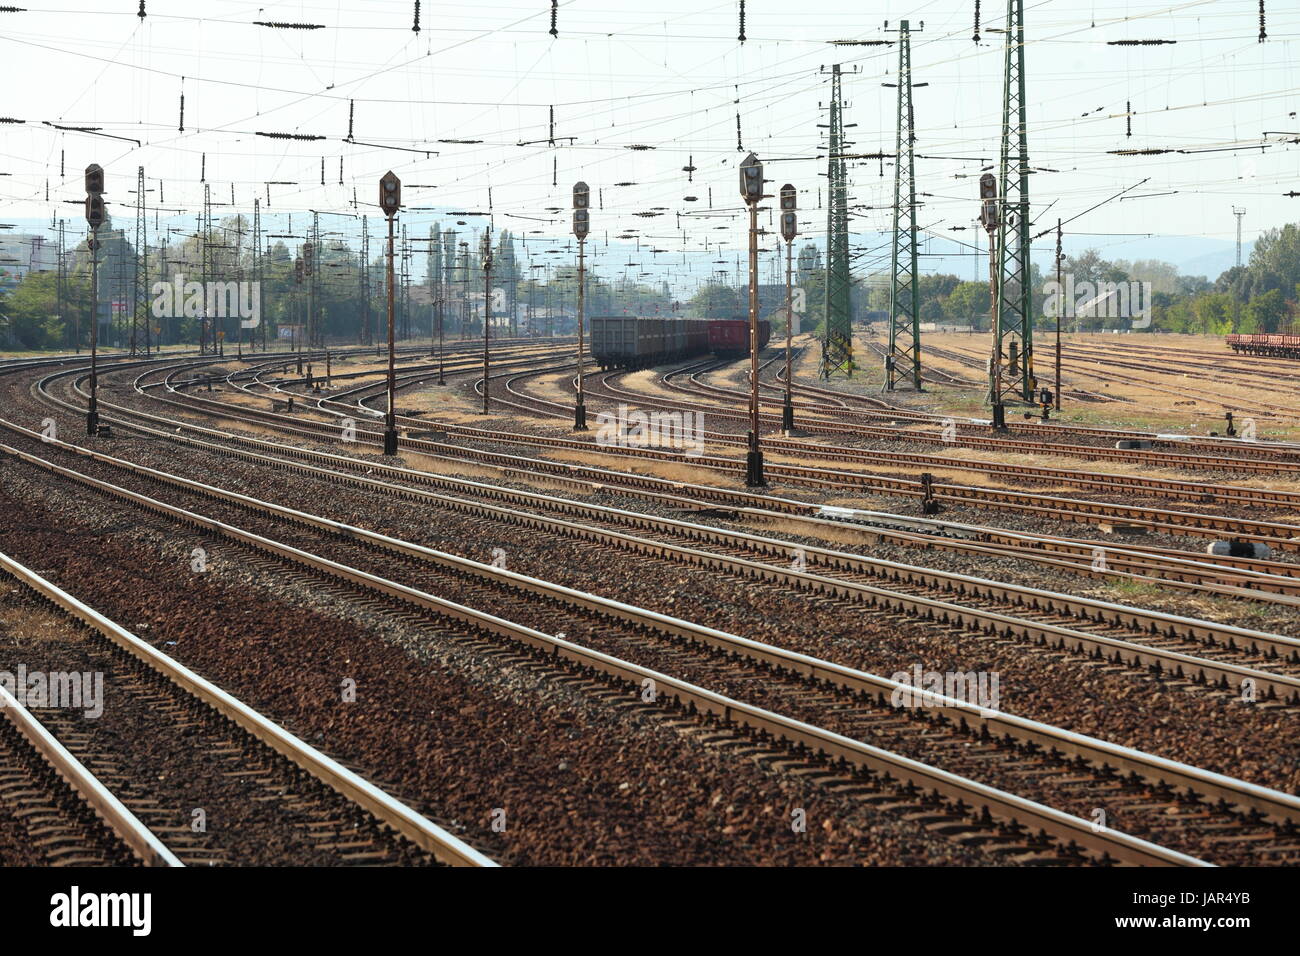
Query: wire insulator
[
  {"x": 181, "y": 128},
  {"x": 741, "y": 38},
  {"x": 977, "y": 21},
  {"x": 352, "y": 111},
  {"x": 140, "y": 12},
  {"x": 1128, "y": 117},
  {"x": 1263, "y": 34},
  {"x": 740, "y": 148},
  {"x": 203, "y": 169},
  {"x": 555, "y": 12}
]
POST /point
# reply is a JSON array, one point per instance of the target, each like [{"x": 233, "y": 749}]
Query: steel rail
[
  {"x": 412, "y": 825},
  {"x": 128, "y": 828},
  {"x": 1023, "y": 544},
  {"x": 1065, "y": 828},
  {"x": 637, "y": 617},
  {"x": 886, "y": 526}
]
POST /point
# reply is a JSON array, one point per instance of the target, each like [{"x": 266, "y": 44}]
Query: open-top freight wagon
[
  {"x": 629, "y": 341},
  {"x": 1283, "y": 344},
  {"x": 729, "y": 338}
]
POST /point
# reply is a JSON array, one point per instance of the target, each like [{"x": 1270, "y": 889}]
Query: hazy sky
[{"x": 670, "y": 75}]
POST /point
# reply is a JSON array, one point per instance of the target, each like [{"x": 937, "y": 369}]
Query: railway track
[
  {"x": 351, "y": 533},
  {"x": 975, "y": 804},
  {"x": 247, "y": 755},
  {"x": 1129, "y": 635},
  {"x": 1268, "y": 576}
]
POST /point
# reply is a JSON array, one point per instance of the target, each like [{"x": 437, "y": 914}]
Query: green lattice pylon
[
  {"x": 903, "y": 361},
  {"x": 837, "y": 346},
  {"x": 1013, "y": 373}
]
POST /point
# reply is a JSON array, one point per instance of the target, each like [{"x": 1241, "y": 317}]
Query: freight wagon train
[
  {"x": 1282, "y": 344},
  {"x": 729, "y": 338},
  {"x": 624, "y": 341}
]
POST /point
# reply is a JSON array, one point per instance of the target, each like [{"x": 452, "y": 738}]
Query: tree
[
  {"x": 1212, "y": 313},
  {"x": 1265, "y": 313},
  {"x": 968, "y": 302}
]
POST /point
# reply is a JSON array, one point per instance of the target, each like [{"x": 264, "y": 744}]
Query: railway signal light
[
  {"x": 751, "y": 190},
  {"x": 390, "y": 194},
  {"x": 751, "y": 179},
  {"x": 390, "y": 201},
  {"x": 308, "y": 259},
  {"x": 989, "y": 195},
  {"x": 95, "y": 216},
  {"x": 581, "y": 226},
  {"x": 487, "y": 316},
  {"x": 297, "y": 271},
  {"x": 95, "y": 212},
  {"x": 789, "y": 217},
  {"x": 789, "y": 229}
]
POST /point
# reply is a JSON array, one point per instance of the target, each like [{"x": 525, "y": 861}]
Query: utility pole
[
  {"x": 367, "y": 327},
  {"x": 299, "y": 268},
  {"x": 487, "y": 312},
  {"x": 204, "y": 327},
  {"x": 441, "y": 297},
  {"x": 837, "y": 348},
  {"x": 139, "y": 308},
  {"x": 1013, "y": 299},
  {"x": 990, "y": 215},
  {"x": 1060, "y": 308},
  {"x": 60, "y": 286},
  {"x": 257, "y": 268},
  {"x": 789, "y": 230},
  {"x": 581, "y": 226},
  {"x": 903, "y": 360},
  {"x": 406, "y": 286},
  {"x": 751, "y": 190},
  {"x": 309, "y": 271},
  {"x": 464, "y": 290},
  {"x": 1239, "y": 213},
  {"x": 315, "y": 335},
  {"x": 1236, "y": 301},
  {"x": 239, "y": 277},
  {"x": 390, "y": 201},
  {"x": 94, "y": 218}
]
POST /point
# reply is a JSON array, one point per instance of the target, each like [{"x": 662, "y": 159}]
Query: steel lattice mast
[
  {"x": 205, "y": 326},
  {"x": 257, "y": 270},
  {"x": 903, "y": 362},
  {"x": 61, "y": 291},
  {"x": 406, "y": 285},
  {"x": 837, "y": 346},
  {"x": 315, "y": 334},
  {"x": 1013, "y": 302},
  {"x": 367, "y": 331},
  {"x": 140, "y": 282}
]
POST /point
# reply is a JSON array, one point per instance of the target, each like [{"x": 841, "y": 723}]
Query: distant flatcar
[
  {"x": 628, "y": 341},
  {"x": 1281, "y": 344},
  {"x": 729, "y": 338}
]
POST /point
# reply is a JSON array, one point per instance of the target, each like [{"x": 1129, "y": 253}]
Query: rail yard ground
[{"x": 1045, "y": 669}]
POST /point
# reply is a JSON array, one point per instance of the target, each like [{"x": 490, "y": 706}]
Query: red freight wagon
[
  {"x": 729, "y": 338},
  {"x": 1280, "y": 344}
]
